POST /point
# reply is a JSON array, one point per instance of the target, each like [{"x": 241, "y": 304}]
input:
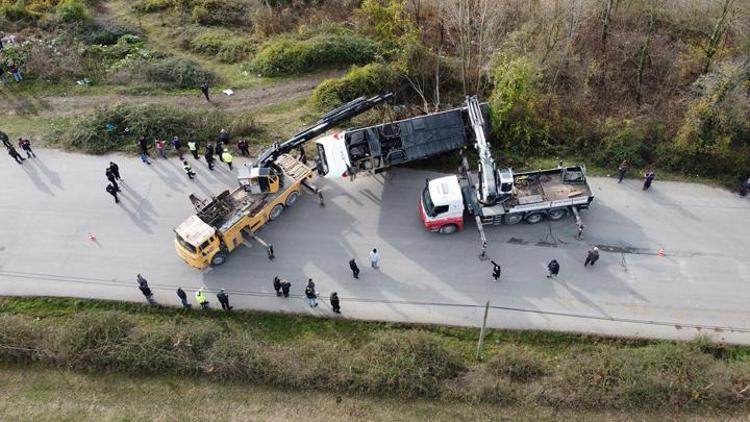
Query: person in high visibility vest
[
  {"x": 200, "y": 297},
  {"x": 193, "y": 147},
  {"x": 227, "y": 158}
]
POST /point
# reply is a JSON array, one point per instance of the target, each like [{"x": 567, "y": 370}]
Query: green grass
[{"x": 38, "y": 129}]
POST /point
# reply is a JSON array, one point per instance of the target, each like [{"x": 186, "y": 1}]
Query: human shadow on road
[
  {"x": 36, "y": 179},
  {"x": 52, "y": 176}
]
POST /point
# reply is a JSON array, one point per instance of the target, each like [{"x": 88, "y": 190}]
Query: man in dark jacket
[
  {"x": 243, "y": 147},
  {"x": 143, "y": 145},
  {"x": 15, "y": 155},
  {"x": 335, "y": 303},
  {"x": 648, "y": 178},
  {"x": 353, "y": 266},
  {"x": 183, "y": 297},
  {"x": 285, "y": 286},
  {"x": 311, "y": 295},
  {"x": 112, "y": 179},
  {"x": 113, "y": 191},
  {"x": 115, "y": 169},
  {"x": 209, "y": 156},
  {"x": 553, "y": 268},
  {"x": 277, "y": 285},
  {"x": 224, "y": 300},
  {"x": 143, "y": 286},
  {"x": 204, "y": 90},
  {"x": 744, "y": 187},
  {"x": 177, "y": 145},
  {"x": 621, "y": 170},
  {"x": 592, "y": 256}
]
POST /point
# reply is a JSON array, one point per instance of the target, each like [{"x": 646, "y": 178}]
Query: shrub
[
  {"x": 220, "y": 12},
  {"x": 224, "y": 45},
  {"x": 72, "y": 11},
  {"x": 151, "y": 6},
  {"x": 106, "y": 34},
  {"x": 519, "y": 363},
  {"x": 284, "y": 55},
  {"x": 176, "y": 73},
  {"x": 118, "y": 127},
  {"x": 372, "y": 79},
  {"x": 91, "y": 340},
  {"x": 20, "y": 338}
]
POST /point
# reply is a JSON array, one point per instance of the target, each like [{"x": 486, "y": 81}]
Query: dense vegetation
[{"x": 560, "y": 370}]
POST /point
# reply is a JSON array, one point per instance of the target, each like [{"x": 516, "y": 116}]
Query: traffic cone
[
  {"x": 661, "y": 252},
  {"x": 92, "y": 237}
]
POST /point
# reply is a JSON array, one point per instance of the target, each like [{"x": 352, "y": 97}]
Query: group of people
[
  {"x": 648, "y": 176},
  {"x": 24, "y": 144},
  {"x": 113, "y": 175}
]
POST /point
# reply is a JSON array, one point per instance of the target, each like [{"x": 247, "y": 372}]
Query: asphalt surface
[{"x": 701, "y": 286}]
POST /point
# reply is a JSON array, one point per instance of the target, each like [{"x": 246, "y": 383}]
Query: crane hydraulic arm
[
  {"x": 327, "y": 121},
  {"x": 487, "y": 191}
]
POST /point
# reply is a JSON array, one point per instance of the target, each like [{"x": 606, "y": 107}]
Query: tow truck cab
[
  {"x": 197, "y": 243},
  {"x": 441, "y": 205}
]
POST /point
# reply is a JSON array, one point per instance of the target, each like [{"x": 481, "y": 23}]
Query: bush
[
  {"x": 220, "y": 12},
  {"x": 520, "y": 364},
  {"x": 21, "y": 338},
  {"x": 284, "y": 55},
  {"x": 372, "y": 79},
  {"x": 151, "y": 6},
  {"x": 176, "y": 73},
  {"x": 91, "y": 341},
  {"x": 224, "y": 45},
  {"x": 118, "y": 127},
  {"x": 72, "y": 11},
  {"x": 107, "y": 34}
]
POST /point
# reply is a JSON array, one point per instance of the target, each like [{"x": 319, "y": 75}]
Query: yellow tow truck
[{"x": 272, "y": 184}]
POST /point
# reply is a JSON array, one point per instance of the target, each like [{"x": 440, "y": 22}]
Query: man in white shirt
[{"x": 375, "y": 259}]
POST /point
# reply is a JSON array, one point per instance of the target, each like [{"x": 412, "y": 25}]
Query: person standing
[
  {"x": 183, "y": 297},
  {"x": 592, "y": 257},
  {"x": 209, "y": 156},
  {"x": 310, "y": 283},
  {"x": 15, "y": 155},
  {"x": 193, "y": 147},
  {"x": 143, "y": 286},
  {"x": 285, "y": 286},
  {"x": 744, "y": 187},
  {"x": 177, "y": 145},
  {"x": 224, "y": 300},
  {"x": 204, "y": 90},
  {"x": 160, "y": 145},
  {"x": 188, "y": 169},
  {"x": 621, "y": 170},
  {"x": 353, "y": 266},
  {"x": 648, "y": 178},
  {"x": 15, "y": 72},
  {"x": 496, "y": 270},
  {"x": 227, "y": 158},
  {"x": 375, "y": 259},
  {"x": 311, "y": 295},
  {"x": 579, "y": 227},
  {"x": 277, "y": 285},
  {"x": 143, "y": 144},
  {"x": 111, "y": 178},
  {"x": 200, "y": 297},
  {"x": 553, "y": 268},
  {"x": 115, "y": 169},
  {"x": 224, "y": 137},
  {"x": 25, "y": 145},
  {"x": 335, "y": 304},
  {"x": 113, "y": 191},
  {"x": 244, "y": 148},
  {"x": 219, "y": 149}
]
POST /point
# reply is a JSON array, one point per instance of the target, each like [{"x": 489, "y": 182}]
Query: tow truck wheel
[
  {"x": 534, "y": 217},
  {"x": 448, "y": 229},
  {"x": 557, "y": 214},
  {"x": 292, "y": 199},
  {"x": 218, "y": 259},
  {"x": 511, "y": 219},
  {"x": 276, "y": 212}
]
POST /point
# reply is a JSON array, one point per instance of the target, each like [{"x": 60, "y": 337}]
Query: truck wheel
[
  {"x": 534, "y": 217},
  {"x": 448, "y": 229},
  {"x": 557, "y": 214},
  {"x": 292, "y": 199},
  {"x": 276, "y": 212},
  {"x": 218, "y": 259},
  {"x": 511, "y": 219}
]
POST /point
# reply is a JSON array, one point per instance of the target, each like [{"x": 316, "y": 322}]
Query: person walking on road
[
  {"x": 188, "y": 169},
  {"x": 143, "y": 145},
  {"x": 310, "y": 283},
  {"x": 496, "y": 270},
  {"x": 193, "y": 147},
  {"x": 204, "y": 90},
  {"x": 353, "y": 266},
  {"x": 209, "y": 156},
  {"x": 592, "y": 257},
  {"x": 744, "y": 187},
  {"x": 277, "y": 285},
  {"x": 115, "y": 169},
  {"x": 183, "y": 297},
  {"x": 335, "y": 304},
  {"x": 15, "y": 155},
  {"x": 375, "y": 259},
  {"x": 112, "y": 179},
  {"x": 285, "y": 286},
  {"x": 160, "y": 147},
  {"x": 200, "y": 297},
  {"x": 177, "y": 145},
  {"x": 113, "y": 191},
  {"x": 25, "y": 145},
  {"x": 621, "y": 170},
  {"x": 141, "y": 280},
  {"x": 219, "y": 149},
  {"x": 553, "y": 268},
  {"x": 143, "y": 286},
  {"x": 579, "y": 227},
  {"x": 227, "y": 158},
  {"x": 311, "y": 295},
  {"x": 648, "y": 178},
  {"x": 224, "y": 300},
  {"x": 244, "y": 148}
]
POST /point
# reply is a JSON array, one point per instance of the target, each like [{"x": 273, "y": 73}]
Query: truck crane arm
[{"x": 326, "y": 122}]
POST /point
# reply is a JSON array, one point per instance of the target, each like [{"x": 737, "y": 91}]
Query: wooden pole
[{"x": 481, "y": 333}]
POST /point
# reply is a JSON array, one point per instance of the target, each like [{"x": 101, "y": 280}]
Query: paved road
[{"x": 49, "y": 206}]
